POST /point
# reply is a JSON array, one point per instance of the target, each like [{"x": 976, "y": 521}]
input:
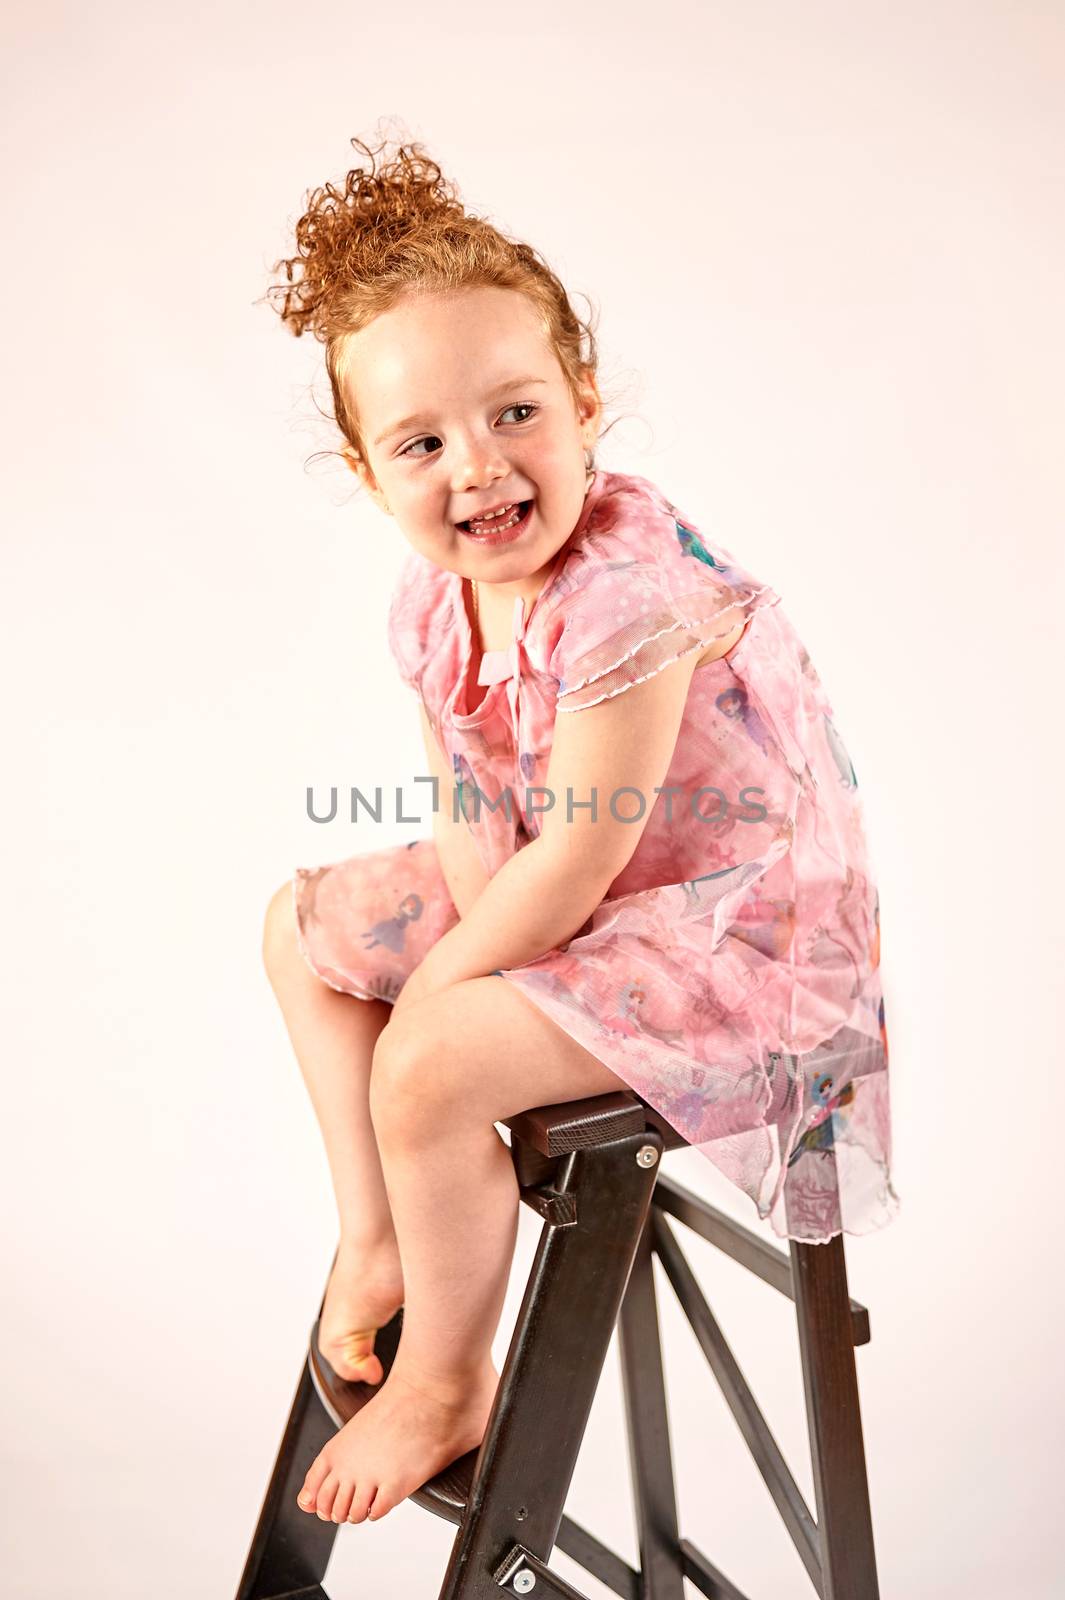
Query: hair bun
[{"x": 354, "y": 232}]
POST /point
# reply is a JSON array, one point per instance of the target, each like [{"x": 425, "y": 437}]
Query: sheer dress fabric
[{"x": 731, "y": 974}]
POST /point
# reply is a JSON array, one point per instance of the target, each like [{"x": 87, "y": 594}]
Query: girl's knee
[
  {"x": 400, "y": 1075},
  {"x": 280, "y": 947},
  {"x": 421, "y": 1076}
]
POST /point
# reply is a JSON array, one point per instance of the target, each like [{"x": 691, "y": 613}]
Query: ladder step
[{"x": 315, "y": 1592}]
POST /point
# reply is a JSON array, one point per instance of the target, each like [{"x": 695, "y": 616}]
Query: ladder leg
[
  {"x": 548, "y": 1383},
  {"x": 290, "y": 1550},
  {"x": 650, "y": 1458},
  {"x": 830, "y": 1380}
]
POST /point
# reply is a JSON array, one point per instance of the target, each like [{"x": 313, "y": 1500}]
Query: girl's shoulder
[
  {"x": 624, "y": 519},
  {"x": 632, "y": 528},
  {"x": 641, "y": 584}
]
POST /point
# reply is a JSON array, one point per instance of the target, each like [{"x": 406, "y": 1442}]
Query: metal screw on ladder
[
  {"x": 646, "y": 1155},
  {"x": 524, "y": 1581}
]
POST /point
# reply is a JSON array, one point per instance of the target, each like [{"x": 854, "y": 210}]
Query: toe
[
  {"x": 325, "y": 1497},
  {"x": 364, "y": 1493},
  {"x": 317, "y": 1475},
  {"x": 355, "y": 1359},
  {"x": 380, "y": 1505},
  {"x": 342, "y": 1503}
]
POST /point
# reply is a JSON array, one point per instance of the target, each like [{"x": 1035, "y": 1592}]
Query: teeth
[
  {"x": 495, "y": 519},
  {"x": 490, "y": 516}
]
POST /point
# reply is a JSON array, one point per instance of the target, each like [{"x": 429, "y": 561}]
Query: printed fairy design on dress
[
  {"x": 365, "y": 986},
  {"x": 718, "y": 1103},
  {"x": 392, "y": 931},
  {"x": 626, "y": 1020},
  {"x": 630, "y": 999},
  {"x": 734, "y": 704}
]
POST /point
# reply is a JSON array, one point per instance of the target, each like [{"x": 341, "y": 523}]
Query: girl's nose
[{"x": 478, "y": 464}]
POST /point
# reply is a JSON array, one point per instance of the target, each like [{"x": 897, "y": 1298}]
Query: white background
[{"x": 826, "y": 244}]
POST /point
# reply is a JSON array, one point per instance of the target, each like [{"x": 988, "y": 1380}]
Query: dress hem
[{"x": 320, "y": 972}]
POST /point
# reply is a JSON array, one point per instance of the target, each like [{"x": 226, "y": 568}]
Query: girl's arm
[
  {"x": 460, "y": 864},
  {"x": 542, "y": 895}
]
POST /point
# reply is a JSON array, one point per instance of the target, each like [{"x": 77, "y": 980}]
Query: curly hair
[{"x": 397, "y": 228}]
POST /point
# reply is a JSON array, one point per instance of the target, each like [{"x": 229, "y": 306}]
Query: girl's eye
[
  {"x": 408, "y": 449},
  {"x": 431, "y": 438},
  {"x": 521, "y": 405}
]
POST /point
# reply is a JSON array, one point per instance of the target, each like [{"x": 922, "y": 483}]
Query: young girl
[{"x": 647, "y": 868}]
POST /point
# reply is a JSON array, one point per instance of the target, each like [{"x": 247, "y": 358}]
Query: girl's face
[{"x": 463, "y": 408}]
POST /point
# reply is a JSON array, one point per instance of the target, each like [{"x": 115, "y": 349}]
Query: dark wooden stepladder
[{"x": 590, "y": 1169}]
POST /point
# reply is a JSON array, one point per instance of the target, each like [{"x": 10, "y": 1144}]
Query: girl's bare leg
[
  {"x": 445, "y": 1071},
  {"x": 333, "y": 1036}
]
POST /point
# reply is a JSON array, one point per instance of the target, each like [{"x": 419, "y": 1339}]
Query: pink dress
[{"x": 731, "y": 973}]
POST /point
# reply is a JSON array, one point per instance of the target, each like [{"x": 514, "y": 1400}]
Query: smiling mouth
[{"x": 511, "y": 518}]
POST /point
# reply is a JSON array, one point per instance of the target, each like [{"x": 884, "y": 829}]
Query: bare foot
[
  {"x": 365, "y": 1291},
  {"x": 398, "y": 1441}
]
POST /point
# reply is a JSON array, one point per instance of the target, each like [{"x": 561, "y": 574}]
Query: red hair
[{"x": 400, "y": 228}]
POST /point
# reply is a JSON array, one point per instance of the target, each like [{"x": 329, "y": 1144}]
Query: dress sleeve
[
  {"x": 407, "y": 621},
  {"x": 653, "y": 598}
]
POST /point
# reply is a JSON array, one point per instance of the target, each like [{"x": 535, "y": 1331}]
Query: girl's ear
[
  {"x": 366, "y": 478},
  {"x": 590, "y": 410}
]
